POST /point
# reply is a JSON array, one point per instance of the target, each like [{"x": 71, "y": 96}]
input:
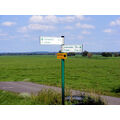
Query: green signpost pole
[{"x": 62, "y": 71}]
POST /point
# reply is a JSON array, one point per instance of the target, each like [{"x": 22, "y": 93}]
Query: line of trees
[
  {"x": 109, "y": 54},
  {"x": 89, "y": 54},
  {"x": 105, "y": 54}
]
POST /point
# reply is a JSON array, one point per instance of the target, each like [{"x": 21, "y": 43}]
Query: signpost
[
  {"x": 64, "y": 49},
  {"x": 62, "y": 56},
  {"x": 72, "y": 48}
]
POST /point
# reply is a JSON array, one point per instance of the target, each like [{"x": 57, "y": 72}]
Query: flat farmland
[{"x": 97, "y": 74}]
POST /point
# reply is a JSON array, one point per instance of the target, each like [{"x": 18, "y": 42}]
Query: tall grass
[{"x": 45, "y": 97}]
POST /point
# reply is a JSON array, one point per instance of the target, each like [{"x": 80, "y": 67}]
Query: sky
[{"x": 97, "y": 33}]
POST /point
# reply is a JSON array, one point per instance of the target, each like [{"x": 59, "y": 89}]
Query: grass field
[{"x": 97, "y": 74}]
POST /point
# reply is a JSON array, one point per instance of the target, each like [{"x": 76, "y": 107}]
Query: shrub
[
  {"x": 109, "y": 54},
  {"x": 116, "y": 90},
  {"x": 85, "y": 53},
  {"x": 103, "y": 54},
  {"x": 89, "y": 55},
  {"x": 106, "y": 54},
  {"x": 59, "y": 51},
  {"x": 46, "y": 97},
  {"x": 71, "y": 54},
  {"x": 116, "y": 54}
]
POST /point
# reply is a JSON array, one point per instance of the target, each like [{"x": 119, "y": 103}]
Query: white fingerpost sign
[
  {"x": 72, "y": 48},
  {"x": 51, "y": 40}
]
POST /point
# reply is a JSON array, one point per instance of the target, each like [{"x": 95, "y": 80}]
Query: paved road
[{"x": 29, "y": 87}]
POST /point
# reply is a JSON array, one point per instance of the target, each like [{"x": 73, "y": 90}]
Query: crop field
[{"x": 97, "y": 74}]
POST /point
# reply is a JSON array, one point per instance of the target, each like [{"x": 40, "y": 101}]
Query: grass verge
[{"x": 46, "y": 97}]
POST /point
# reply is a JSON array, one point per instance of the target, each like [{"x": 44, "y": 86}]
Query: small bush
[
  {"x": 89, "y": 55},
  {"x": 116, "y": 54},
  {"x": 106, "y": 54},
  {"x": 59, "y": 51},
  {"x": 89, "y": 100},
  {"x": 116, "y": 90},
  {"x": 84, "y": 53},
  {"x": 71, "y": 54},
  {"x": 47, "y": 97}
]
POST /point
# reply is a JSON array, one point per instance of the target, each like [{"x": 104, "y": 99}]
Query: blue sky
[{"x": 20, "y": 33}]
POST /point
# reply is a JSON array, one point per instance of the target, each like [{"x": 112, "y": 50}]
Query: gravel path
[{"x": 29, "y": 87}]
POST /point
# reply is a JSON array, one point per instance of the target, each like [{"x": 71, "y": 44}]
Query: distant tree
[
  {"x": 89, "y": 55},
  {"x": 110, "y": 54},
  {"x": 116, "y": 54},
  {"x": 85, "y": 53},
  {"x": 59, "y": 51},
  {"x": 71, "y": 54},
  {"x": 103, "y": 54},
  {"x": 106, "y": 54}
]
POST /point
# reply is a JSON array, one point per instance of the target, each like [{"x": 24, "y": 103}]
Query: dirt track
[{"x": 29, "y": 87}]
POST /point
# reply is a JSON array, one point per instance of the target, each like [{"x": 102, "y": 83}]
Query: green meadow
[{"x": 97, "y": 74}]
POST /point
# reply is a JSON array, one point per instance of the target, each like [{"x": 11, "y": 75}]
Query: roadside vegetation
[{"x": 46, "y": 97}]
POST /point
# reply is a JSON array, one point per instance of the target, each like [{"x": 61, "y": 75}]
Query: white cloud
[
  {"x": 45, "y": 23},
  {"x": 80, "y": 37},
  {"x": 40, "y": 27},
  {"x": 54, "y": 19},
  {"x": 36, "y": 27},
  {"x": 23, "y": 29},
  {"x": 71, "y": 18},
  {"x": 86, "y": 32},
  {"x": 51, "y": 18},
  {"x": 26, "y": 36},
  {"x": 68, "y": 27},
  {"x": 85, "y": 26},
  {"x": 12, "y": 37},
  {"x": 67, "y": 19},
  {"x": 43, "y": 19},
  {"x": 3, "y": 34},
  {"x": 80, "y": 17},
  {"x": 108, "y": 31},
  {"x": 116, "y": 22},
  {"x": 36, "y": 18},
  {"x": 112, "y": 23},
  {"x": 8, "y": 23}
]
